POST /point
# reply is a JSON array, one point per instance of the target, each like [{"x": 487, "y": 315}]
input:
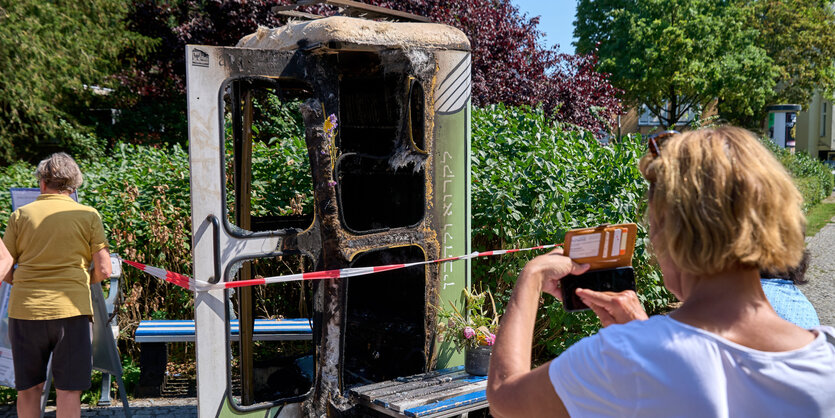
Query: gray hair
[{"x": 60, "y": 172}]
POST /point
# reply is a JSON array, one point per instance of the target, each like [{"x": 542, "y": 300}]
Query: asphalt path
[{"x": 820, "y": 290}]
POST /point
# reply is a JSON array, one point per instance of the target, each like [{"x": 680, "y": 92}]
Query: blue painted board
[{"x": 456, "y": 402}]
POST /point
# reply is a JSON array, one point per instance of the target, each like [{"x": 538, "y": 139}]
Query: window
[
  {"x": 823, "y": 118},
  {"x": 268, "y": 174},
  {"x": 273, "y": 367}
]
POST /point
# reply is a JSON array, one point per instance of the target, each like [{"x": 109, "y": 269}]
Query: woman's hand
[
  {"x": 513, "y": 389},
  {"x": 550, "y": 268},
  {"x": 613, "y": 307}
]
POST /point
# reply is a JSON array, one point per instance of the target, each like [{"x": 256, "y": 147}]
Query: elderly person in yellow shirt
[{"x": 53, "y": 240}]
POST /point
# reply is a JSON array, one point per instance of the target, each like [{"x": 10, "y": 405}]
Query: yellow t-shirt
[{"x": 52, "y": 240}]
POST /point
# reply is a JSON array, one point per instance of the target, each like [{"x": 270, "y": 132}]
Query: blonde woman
[
  {"x": 53, "y": 240},
  {"x": 721, "y": 208}
]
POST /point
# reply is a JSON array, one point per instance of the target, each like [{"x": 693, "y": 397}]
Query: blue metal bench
[
  {"x": 154, "y": 336},
  {"x": 436, "y": 394},
  {"x": 166, "y": 331}
]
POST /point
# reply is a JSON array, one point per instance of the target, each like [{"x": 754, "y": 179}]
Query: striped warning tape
[{"x": 201, "y": 286}]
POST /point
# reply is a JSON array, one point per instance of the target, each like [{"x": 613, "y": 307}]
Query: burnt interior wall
[
  {"x": 384, "y": 322},
  {"x": 377, "y": 117},
  {"x": 375, "y": 197},
  {"x": 417, "y": 115},
  {"x": 368, "y": 104},
  {"x": 382, "y": 179}
]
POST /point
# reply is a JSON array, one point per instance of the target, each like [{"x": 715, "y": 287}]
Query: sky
[{"x": 556, "y": 20}]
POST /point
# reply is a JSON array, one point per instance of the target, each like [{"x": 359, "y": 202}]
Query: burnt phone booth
[{"x": 385, "y": 114}]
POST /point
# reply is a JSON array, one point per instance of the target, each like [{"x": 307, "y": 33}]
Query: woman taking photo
[
  {"x": 53, "y": 240},
  {"x": 721, "y": 208}
]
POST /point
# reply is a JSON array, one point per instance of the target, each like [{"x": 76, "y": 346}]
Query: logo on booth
[{"x": 199, "y": 58}]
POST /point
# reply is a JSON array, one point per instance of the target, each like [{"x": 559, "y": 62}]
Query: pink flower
[
  {"x": 490, "y": 339},
  {"x": 469, "y": 333}
]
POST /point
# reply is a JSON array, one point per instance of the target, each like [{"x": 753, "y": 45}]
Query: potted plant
[{"x": 474, "y": 330}]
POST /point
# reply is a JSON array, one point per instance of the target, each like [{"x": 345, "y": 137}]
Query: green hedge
[
  {"x": 142, "y": 194},
  {"x": 813, "y": 179},
  {"x": 533, "y": 180}
]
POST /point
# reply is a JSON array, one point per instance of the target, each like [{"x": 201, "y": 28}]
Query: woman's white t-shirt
[{"x": 662, "y": 367}]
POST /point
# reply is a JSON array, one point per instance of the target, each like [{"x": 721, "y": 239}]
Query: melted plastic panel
[
  {"x": 384, "y": 330},
  {"x": 417, "y": 114},
  {"x": 274, "y": 170},
  {"x": 281, "y": 369}
]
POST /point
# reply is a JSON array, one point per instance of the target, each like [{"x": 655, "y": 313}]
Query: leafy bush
[
  {"x": 142, "y": 194},
  {"x": 281, "y": 179},
  {"x": 533, "y": 180},
  {"x": 813, "y": 178}
]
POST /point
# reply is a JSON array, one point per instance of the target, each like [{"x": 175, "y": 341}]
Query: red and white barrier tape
[{"x": 201, "y": 286}]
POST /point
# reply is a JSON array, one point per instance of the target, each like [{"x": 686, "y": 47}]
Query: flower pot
[{"x": 477, "y": 360}]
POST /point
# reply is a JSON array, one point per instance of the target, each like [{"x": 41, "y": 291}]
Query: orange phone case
[{"x": 605, "y": 246}]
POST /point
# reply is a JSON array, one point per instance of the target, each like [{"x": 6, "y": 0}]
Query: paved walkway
[
  {"x": 139, "y": 408},
  {"x": 821, "y": 273}
]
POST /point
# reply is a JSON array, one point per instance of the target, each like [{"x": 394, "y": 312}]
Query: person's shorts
[{"x": 68, "y": 339}]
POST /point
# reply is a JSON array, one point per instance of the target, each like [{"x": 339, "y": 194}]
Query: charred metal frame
[{"x": 219, "y": 247}]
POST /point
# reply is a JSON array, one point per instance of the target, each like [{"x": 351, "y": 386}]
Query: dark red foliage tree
[
  {"x": 582, "y": 95},
  {"x": 510, "y": 64}
]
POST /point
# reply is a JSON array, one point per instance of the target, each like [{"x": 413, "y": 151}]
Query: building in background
[
  {"x": 641, "y": 120},
  {"x": 814, "y": 131},
  {"x": 781, "y": 124}
]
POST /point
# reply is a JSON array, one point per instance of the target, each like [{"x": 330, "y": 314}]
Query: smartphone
[{"x": 606, "y": 280}]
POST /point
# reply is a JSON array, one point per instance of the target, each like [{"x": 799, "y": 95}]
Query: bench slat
[
  {"x": 447, "y": 405},
  {"x": 363, "y": 391}
]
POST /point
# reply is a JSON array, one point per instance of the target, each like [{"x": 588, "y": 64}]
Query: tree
[
  {"x": 51, "y": 54},
  {"x": 798, "y": 35},
  {"x": 680, "y": 54},
  {"x": 510, "y": 65},
  {"x": 677, "y": 55}
]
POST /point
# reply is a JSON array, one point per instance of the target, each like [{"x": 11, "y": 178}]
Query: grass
[{"x": 817, "y": 217}]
